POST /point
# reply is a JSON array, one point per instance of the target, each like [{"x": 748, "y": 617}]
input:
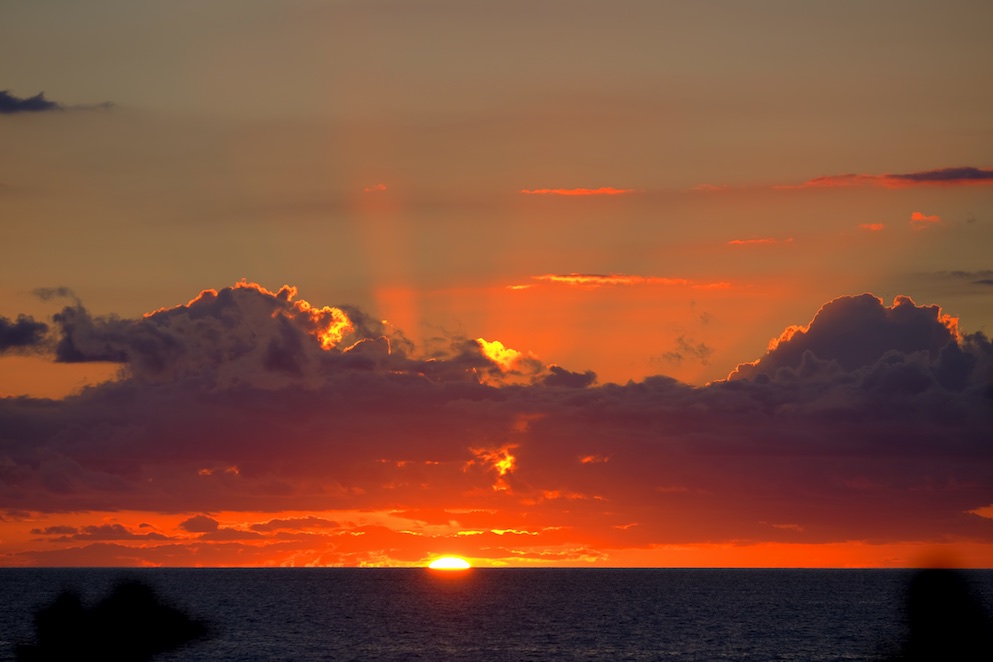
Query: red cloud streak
[
  {"x": 604, "y": 190},
  {"x": 759, "y": 242}
]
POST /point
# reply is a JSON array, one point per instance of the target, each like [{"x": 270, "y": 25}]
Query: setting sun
[{"x": 449, "y": 563}]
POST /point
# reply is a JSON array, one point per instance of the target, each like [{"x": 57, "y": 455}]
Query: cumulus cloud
[
  {"x": 10, "y": 104},
  {"x": 869, "y": 423},
  {"x": 903, "y": 348},
  {"x": 246, "y": 334}
]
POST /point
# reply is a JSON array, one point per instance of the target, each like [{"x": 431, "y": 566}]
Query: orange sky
[{"x": 362, "y": 283}]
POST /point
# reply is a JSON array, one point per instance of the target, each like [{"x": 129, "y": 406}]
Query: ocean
[{"x": 506, "y": 614}]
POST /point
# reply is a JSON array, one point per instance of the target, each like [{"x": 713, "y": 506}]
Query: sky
[{"x": 363, "y": 283}]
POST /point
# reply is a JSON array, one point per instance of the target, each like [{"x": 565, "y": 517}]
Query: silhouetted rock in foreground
[
  {"x": 946, "y": 620},
  {"x": 130, "y": 624}
]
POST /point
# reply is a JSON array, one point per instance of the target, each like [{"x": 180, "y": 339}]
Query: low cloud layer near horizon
[{"x": 871, "y": 423}]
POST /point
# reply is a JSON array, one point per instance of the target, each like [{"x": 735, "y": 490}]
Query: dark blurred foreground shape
[
  {"x": 130, "y": 624},
  {"x": 946, "y": 621}
]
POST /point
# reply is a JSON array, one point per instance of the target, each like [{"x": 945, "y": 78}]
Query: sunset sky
[{"x": 582, "y": 283}]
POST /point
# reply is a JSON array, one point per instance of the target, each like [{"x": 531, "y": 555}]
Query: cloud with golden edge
[
  {"x": 603, "y": 190},
  {"x": 508, "y": 359},
  {"x": 853, "y": 333},
  {"x": 498, "y": 459}
]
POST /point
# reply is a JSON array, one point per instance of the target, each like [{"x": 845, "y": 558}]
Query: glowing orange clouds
[
  {"x": 505, "y": 357},
  {"x": 872, "y": 227},
  {"x": 498, "y": 459},
  {"x": 603, "y": 190},
  {"x": 597, "y": 280},
  {"x": 920, "y": 220}
]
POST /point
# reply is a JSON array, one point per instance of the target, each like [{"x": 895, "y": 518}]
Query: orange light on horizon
[{"x": 449, "y": 563}]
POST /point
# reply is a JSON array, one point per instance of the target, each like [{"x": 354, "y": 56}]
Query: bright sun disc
[{"x": 449, "y": 563}]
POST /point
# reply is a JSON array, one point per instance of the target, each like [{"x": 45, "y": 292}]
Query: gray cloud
[
  {"x": 858, "y": 334},
  {"x": 946, "y": 175},
  {"x": 10, "y": 104},
  {"x": 21, "y": 334},
  {"x": 559, "y": 376},
  {"x": 686, "y": 348},
  {"x": 199, "y": 524}
]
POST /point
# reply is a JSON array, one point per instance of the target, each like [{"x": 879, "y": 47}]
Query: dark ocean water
[{"x": 506, "y": 614}]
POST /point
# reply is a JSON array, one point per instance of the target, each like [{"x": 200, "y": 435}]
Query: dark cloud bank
[{"x": 872, "y": 423}]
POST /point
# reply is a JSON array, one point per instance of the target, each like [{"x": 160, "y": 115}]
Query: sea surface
[{"x": 506, "y": 614}]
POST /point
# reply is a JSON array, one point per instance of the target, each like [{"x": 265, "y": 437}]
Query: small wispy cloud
[
  {"x": 921, "y": 221},
  {"x": 603, "y": 190},
  {"x": 963, "y": 176},
  {"x": 762, "y": 241},
  {"x": 597, "y": 280},
  {"x": 11, "y": 104},
  {"x": 979, "y": 277},
  {"x": 375, "y": 188},
  {"x": 616, "y": 280},
  {"x": 687, "y": 349},
  {"x": 872, "y": 227}
]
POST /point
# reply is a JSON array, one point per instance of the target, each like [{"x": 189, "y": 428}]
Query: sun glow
[{"x": 449, "y": 563}]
